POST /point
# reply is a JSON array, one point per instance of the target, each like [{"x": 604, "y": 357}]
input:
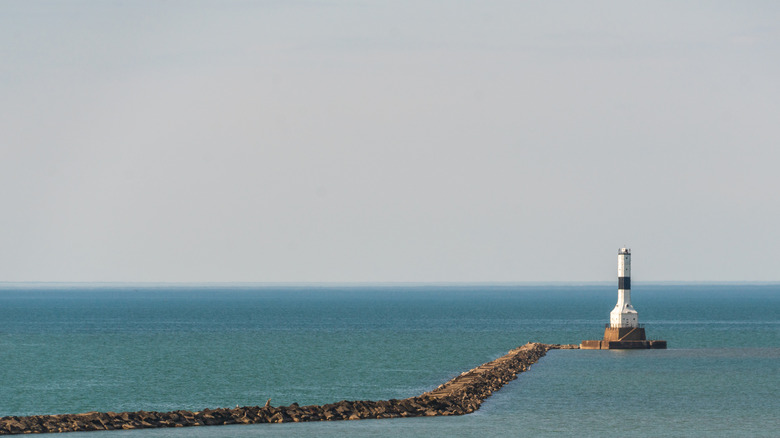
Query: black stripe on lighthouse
[{"x": 624, "y": 283}]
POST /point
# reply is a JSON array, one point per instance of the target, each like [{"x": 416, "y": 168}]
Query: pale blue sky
[{"x": 389, "y": 141}]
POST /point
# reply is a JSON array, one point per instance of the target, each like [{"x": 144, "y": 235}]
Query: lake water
[{"x": 67, "y": 348}]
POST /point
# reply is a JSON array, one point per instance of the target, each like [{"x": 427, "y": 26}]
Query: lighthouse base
[
  {"x": 624, "y": 334},
  {"x": 622, "y": 345},
  {"x": 623, "y": 338}
]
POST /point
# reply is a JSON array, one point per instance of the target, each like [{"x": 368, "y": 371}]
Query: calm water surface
[{"x": 78, "y": 348}]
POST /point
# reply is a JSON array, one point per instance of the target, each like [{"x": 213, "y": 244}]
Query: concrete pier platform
[
  {"x": 622, "y": 345},
  {"x": 623, "y": 338}
]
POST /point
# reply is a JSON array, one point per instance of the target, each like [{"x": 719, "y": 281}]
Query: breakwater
[{"x": 461, "y": 395}]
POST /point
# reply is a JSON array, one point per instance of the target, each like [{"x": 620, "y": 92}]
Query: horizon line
[{"x": 384, "y": 283}]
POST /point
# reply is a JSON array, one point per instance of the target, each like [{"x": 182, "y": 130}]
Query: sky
[{"x": 388, "y": 141}]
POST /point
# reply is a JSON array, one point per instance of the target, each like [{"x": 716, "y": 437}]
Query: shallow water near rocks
[{"x": 78, "y": 348}]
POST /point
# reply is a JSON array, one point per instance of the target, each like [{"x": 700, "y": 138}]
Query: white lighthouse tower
[
  {"x": 623, "y": 330},
  {"x": 624, "y": 315}
]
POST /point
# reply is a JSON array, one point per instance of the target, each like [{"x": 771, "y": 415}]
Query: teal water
[{"x": 78, "y": 348}]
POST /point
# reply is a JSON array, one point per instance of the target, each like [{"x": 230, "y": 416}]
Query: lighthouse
[
  {"x": 623, "y": 315},
  {"x": 623, "y": 330}
]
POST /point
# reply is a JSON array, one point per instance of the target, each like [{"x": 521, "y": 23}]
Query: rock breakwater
[{"x": 461, "y": 395}]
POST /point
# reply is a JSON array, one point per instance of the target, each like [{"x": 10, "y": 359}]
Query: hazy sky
[{"x": 389, "y": 141}]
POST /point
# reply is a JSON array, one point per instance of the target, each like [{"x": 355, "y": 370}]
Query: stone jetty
[{"x": 461, "y": 395}]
